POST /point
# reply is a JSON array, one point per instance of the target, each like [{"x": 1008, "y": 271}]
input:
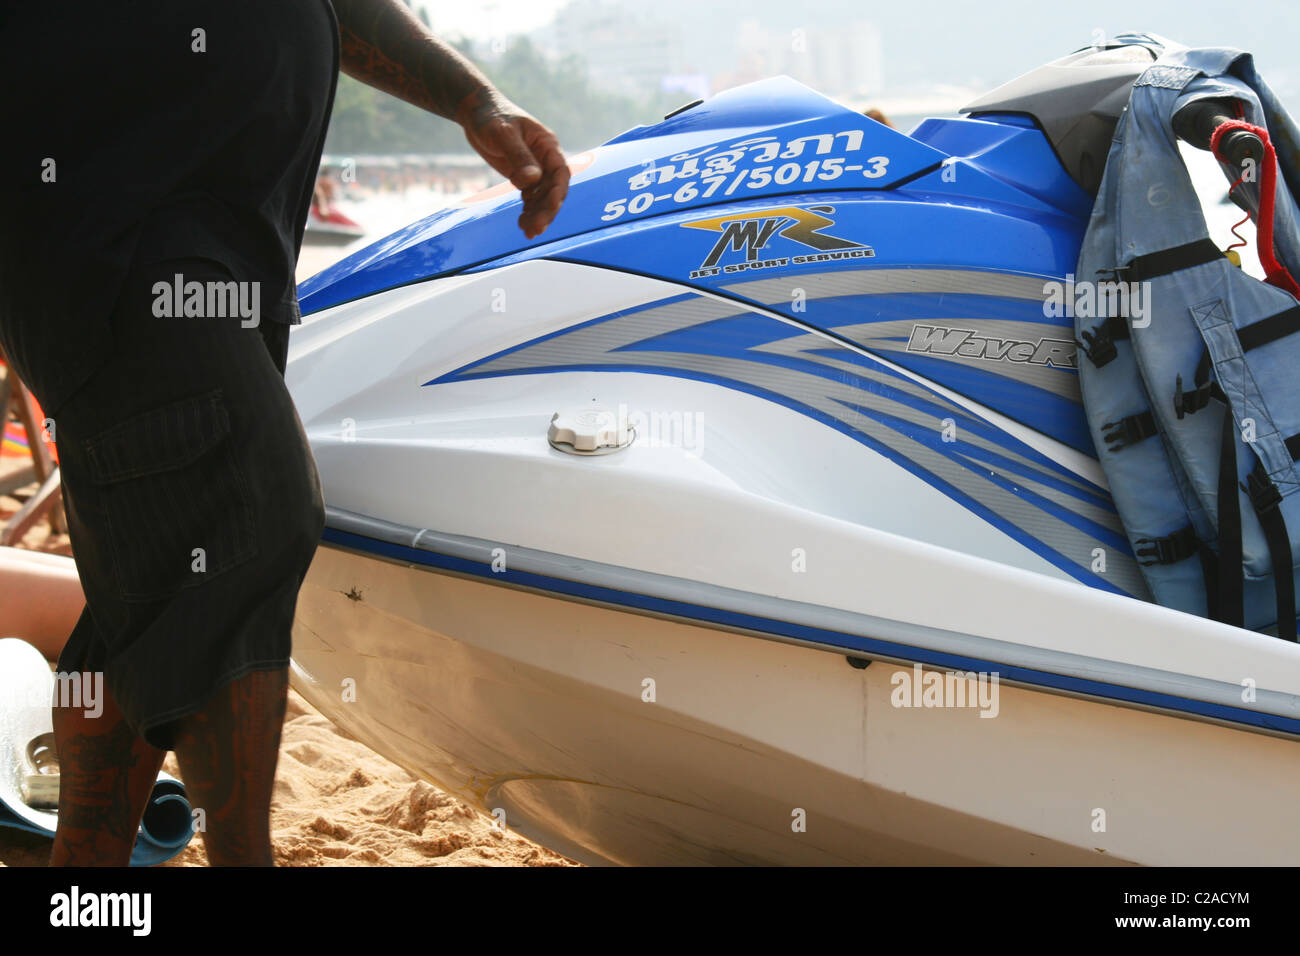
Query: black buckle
[
  {"x": 1170, "y": 549},
  {"x": 1098, "y": 346},
  {"x": 1263, "y": 493},
  {"x": 1187, "y": 402},
  {"x": 1128, "y": 431},
  {"x": 1115, "y": 272}
]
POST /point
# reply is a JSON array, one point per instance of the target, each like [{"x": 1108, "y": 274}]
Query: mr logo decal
[{"x": 752, "y": 232}]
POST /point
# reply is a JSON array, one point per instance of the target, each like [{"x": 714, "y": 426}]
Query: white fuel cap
[{"x": 589, "y": 430}]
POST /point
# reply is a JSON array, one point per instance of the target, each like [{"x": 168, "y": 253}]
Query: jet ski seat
[{"x": 1076, "y": 101}]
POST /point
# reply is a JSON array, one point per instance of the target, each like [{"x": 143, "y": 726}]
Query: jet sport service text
[{"x": 752, "y": 232}]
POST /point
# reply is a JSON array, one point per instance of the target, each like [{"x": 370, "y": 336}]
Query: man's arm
[{"x": 385, "y": 46}]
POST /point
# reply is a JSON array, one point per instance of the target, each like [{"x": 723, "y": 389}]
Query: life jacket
[{"x": 1190, "y": 369}]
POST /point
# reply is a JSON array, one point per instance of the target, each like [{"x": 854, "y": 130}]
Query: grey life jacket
[{"x": 1190, "y": 368}]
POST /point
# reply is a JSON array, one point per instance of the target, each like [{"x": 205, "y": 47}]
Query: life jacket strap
[
  {"x": 1265, "y": 498},
  {"x": 1128, "y": 430},
  {"x": 1172, "y": 548},
  {"x": 1231, "y": 598},
  {"x": 1187, "y": 402},
  {"x": 1270, "y": 329},
  {"x": 1162, "y": 263}
]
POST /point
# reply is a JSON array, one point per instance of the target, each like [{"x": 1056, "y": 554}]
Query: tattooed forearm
[{"x": 386, "y": 46}]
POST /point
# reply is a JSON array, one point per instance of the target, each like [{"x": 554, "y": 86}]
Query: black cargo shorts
[{"x": 193, "y": 503}]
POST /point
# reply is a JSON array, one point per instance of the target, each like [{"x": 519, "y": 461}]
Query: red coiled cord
[{"x": 1274, "y": 272}]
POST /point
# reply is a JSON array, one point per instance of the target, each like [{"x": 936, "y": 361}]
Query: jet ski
[
  {"x": 750, "y": 515},
  {"x": 330, "y": 226}
]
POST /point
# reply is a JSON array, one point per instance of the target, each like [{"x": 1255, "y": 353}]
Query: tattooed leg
[
  {"x": 227, "y": 754},
  {"x": 106, "y": 774}
]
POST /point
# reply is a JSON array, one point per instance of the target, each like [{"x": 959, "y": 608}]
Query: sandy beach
[{"x": 337, "y": 803}]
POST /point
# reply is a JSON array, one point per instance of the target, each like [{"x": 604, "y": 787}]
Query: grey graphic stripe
[
  {"x": 880, "y": 281},
  {"x": 959, "y": 413},
  {"x": 588, "y": 344},
  {"x": 805, "y": 346},
  {"x": 885, "y": 336},
  {"x": 593, "y": 346}
]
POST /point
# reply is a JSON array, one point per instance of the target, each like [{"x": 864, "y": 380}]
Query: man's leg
[
  {"x": 106, "y": 775},
  {"x": 227, "y": 753},
  {"x": 206, "y": 399}
]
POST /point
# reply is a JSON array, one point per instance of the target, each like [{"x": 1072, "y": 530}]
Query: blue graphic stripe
[
  {"x": 841, "y": 641},
  {"x": 856, "y": 308},
  {"x": 1041, "y": 409},
  {"x": 974, "y": 423},
  {"x": 735, "y": 337},
  {"x": 968, "y": 450},
  {"x": 985, "y": 378},
  {"x": 1070, "y": 566},
  {"x": 726, "y": 335},
  {"x": 716, "y": 339},
  {"x": 739, "y": 336},
  {"x": 993, "y": 386},
  {"x": 1098, "y": 531},
  {"x": 458, "y": 374},
  {"x": 967, "y": 454},
  {"x": 1036, "y": 407},
  {"x": 992, "y": 517}
]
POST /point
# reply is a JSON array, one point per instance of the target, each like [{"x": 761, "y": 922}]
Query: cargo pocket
[{"x": 176, "y": 505}]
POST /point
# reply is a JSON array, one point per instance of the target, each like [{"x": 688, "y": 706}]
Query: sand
[{"x": 338, "y": 803}]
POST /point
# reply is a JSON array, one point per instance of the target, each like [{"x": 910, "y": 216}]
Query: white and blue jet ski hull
[{"x": 857, "y": 437}]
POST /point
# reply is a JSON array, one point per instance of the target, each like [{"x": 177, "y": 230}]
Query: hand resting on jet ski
[{"x": 385, "y": 46}]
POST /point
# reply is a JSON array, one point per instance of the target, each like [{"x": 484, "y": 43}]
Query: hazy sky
[
  {"x": 955, "y": 42},
  {"x": 477, "y": 19}
]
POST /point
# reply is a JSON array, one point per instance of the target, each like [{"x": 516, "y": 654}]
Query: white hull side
[{"x": 517, "y": 700}]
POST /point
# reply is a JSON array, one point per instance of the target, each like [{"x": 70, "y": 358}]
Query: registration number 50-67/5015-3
[{"x": 825, "y": 170}]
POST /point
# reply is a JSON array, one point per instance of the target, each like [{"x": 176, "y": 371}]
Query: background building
[{"x": 700, "y": 48}]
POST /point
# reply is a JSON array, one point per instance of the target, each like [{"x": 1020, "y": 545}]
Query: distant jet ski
[{"x": 329, "y": 227}]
